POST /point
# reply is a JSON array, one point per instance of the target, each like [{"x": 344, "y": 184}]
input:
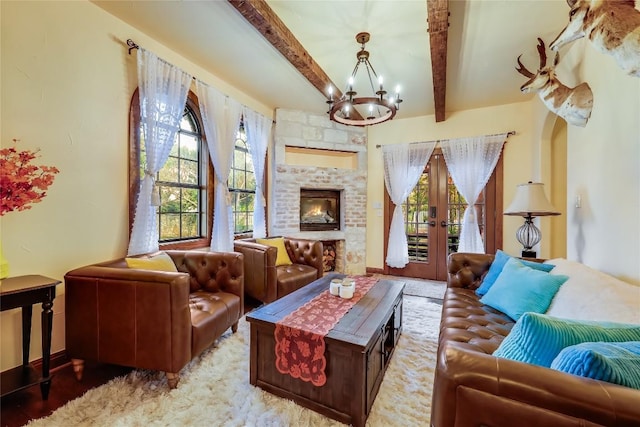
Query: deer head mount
[
  {"x": 613, "y": 27},
  {"x": 572, "y": 104}
]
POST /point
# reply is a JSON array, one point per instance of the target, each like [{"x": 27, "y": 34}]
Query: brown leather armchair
[
  {"x": 266, "y": 282},
  {"x": 152, "y": 319}
]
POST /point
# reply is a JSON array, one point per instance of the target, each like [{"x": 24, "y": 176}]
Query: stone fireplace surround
[{"x": 308, "y": 130}]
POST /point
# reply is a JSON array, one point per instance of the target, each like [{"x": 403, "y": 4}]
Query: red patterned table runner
[{"x": 300, "y": 335}]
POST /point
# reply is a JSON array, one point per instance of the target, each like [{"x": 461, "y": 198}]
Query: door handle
[
  {"x": 443, "y": 223},
  {"x": 432, "y": 223}
]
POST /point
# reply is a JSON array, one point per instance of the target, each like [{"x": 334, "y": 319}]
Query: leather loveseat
[
  {"x": 266, "y": 282},
  {"x": 152, "y": 319},
  {"x": 474, "y": 388}
]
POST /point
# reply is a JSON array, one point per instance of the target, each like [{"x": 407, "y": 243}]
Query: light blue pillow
[
  {"x": 519, "y": 289},
  {"x": 538, "y": 338},
  {"x": 497, "y": 265},
  {"x": 617, "y": 363}
]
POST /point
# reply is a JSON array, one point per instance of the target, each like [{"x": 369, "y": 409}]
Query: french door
[{"x": 433, "y": 219}]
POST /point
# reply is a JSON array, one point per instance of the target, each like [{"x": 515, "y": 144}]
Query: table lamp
[{"x": 530, "y": 202}]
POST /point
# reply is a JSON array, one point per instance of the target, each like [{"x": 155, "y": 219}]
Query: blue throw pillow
[
  {"x": 519, "y": 289},
  {"x": 617, "y": 363},
  {"x": 538, "y": 338},
  {"x": 497, "y": 265}
]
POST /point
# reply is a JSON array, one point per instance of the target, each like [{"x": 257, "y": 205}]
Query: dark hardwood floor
[{"x": 20, "y": 407}]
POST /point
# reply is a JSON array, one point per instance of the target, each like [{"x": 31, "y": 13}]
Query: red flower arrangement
[{"x": 21, "y": 183}]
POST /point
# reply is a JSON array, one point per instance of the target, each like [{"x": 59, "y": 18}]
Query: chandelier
[{"x": 376, "y": 109}]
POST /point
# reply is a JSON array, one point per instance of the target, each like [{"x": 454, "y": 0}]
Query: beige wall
[
  {"x": 603, "y": 168},
  {"x": 67, "y": 82},
  {"x": 518, "y": 167}
]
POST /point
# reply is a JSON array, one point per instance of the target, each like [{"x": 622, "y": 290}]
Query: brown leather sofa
[
  {"x": 266, "y": 282},
  {"x": 474, "y": 388},
  {"x": 151, "y": 319}
]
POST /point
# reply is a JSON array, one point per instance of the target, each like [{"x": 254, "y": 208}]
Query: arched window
[
  {"x": 242, "y": 186},
  {"x": 185, "y": 182}
]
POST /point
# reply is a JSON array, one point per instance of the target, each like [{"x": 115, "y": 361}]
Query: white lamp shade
[{"x": 531, "y": 200}]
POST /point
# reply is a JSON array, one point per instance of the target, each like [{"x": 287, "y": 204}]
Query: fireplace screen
[{"x": 319, "y": 210}]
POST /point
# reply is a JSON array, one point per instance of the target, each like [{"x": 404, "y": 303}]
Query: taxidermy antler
[
  {"x": 572, "y": 104},
  {"x": 613, "y": 26}
]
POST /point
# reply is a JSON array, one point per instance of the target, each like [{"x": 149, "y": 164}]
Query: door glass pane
[{"x": 416, "y": 209}]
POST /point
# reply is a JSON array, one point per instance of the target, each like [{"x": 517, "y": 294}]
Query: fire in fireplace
[{"x": 319, "y": 210}]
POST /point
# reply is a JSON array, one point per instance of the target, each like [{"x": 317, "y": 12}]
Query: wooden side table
[{"x": 24, "y": 291}]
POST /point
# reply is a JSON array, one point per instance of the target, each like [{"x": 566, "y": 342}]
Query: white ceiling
[{"x": 485, "y": 38}]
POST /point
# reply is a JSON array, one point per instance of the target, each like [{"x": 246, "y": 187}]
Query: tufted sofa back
[
  {"x": 210, "y": 274},
  {"x": 466, "y": 270},
  {"x": 304, "y": 251}
]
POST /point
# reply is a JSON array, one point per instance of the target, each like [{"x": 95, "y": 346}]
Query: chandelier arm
[
  {"x": 353, "y": 73},
  {"x": 371, "y": 66},
  {"x": 369, "y": 70}
]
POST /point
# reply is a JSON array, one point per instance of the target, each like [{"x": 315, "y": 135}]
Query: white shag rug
[
  {"x": 214, "y": 388},
  {"x": 424, "y": 288}
]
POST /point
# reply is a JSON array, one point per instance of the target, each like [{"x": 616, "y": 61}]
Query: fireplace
[{"x": 319, "y": 210}]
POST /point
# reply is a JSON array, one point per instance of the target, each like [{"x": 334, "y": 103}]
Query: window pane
[
  {"x": 189, "y": 225},
  {"x": 143, "y": 162},
  {"x": 237, "y": 179},
  {"x": 169, "y": 199},
  {"x": 188, "y": 172},
  {"x": 239, "y": 159},
  {"x": 175, "y": 148},
  {"x": 169, "y": 226},
  {"x": 187, "y": 122},
  {"x": 190, "y": 200},
  {"x": 245, "y": 202},
  {"x": 188, "y": 147},
  {"x": 251, "y": 182},
  {"x": 169, "y": 172}
]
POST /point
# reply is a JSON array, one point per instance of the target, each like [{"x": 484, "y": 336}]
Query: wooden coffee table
[{"x": 358, "y": 350}]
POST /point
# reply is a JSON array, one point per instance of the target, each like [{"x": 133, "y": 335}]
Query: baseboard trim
[
  {"x": 57, "y": 361},
  {"x": 371, "y": 270}
]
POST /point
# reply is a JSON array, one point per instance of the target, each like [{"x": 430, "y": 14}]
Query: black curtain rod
[
  {"x": 132, "y": 45},
  {"x": 511, "y": 132}
]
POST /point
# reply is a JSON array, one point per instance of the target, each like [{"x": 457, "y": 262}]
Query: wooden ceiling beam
[
  {"x": 264, "y": 19},
  {"x": 438, "y": 20}
]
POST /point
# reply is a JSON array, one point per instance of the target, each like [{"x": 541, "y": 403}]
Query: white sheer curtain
[
  {"x": 163, "y": 90},
  {"x": 471, "y": 162},
  {"x": 403, "y": 165},
  {"x": 221, "y": 119},
  {"x": 258, "y": 128}
]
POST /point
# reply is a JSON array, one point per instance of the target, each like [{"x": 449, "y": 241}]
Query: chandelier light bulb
[
  {"x": 351, "y": 83},
  {"x": 380, "y": 82},
  {"x": 397, "y": 89}
]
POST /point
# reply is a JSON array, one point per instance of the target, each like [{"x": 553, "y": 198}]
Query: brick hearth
[{"x": 312, "y": 131}]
